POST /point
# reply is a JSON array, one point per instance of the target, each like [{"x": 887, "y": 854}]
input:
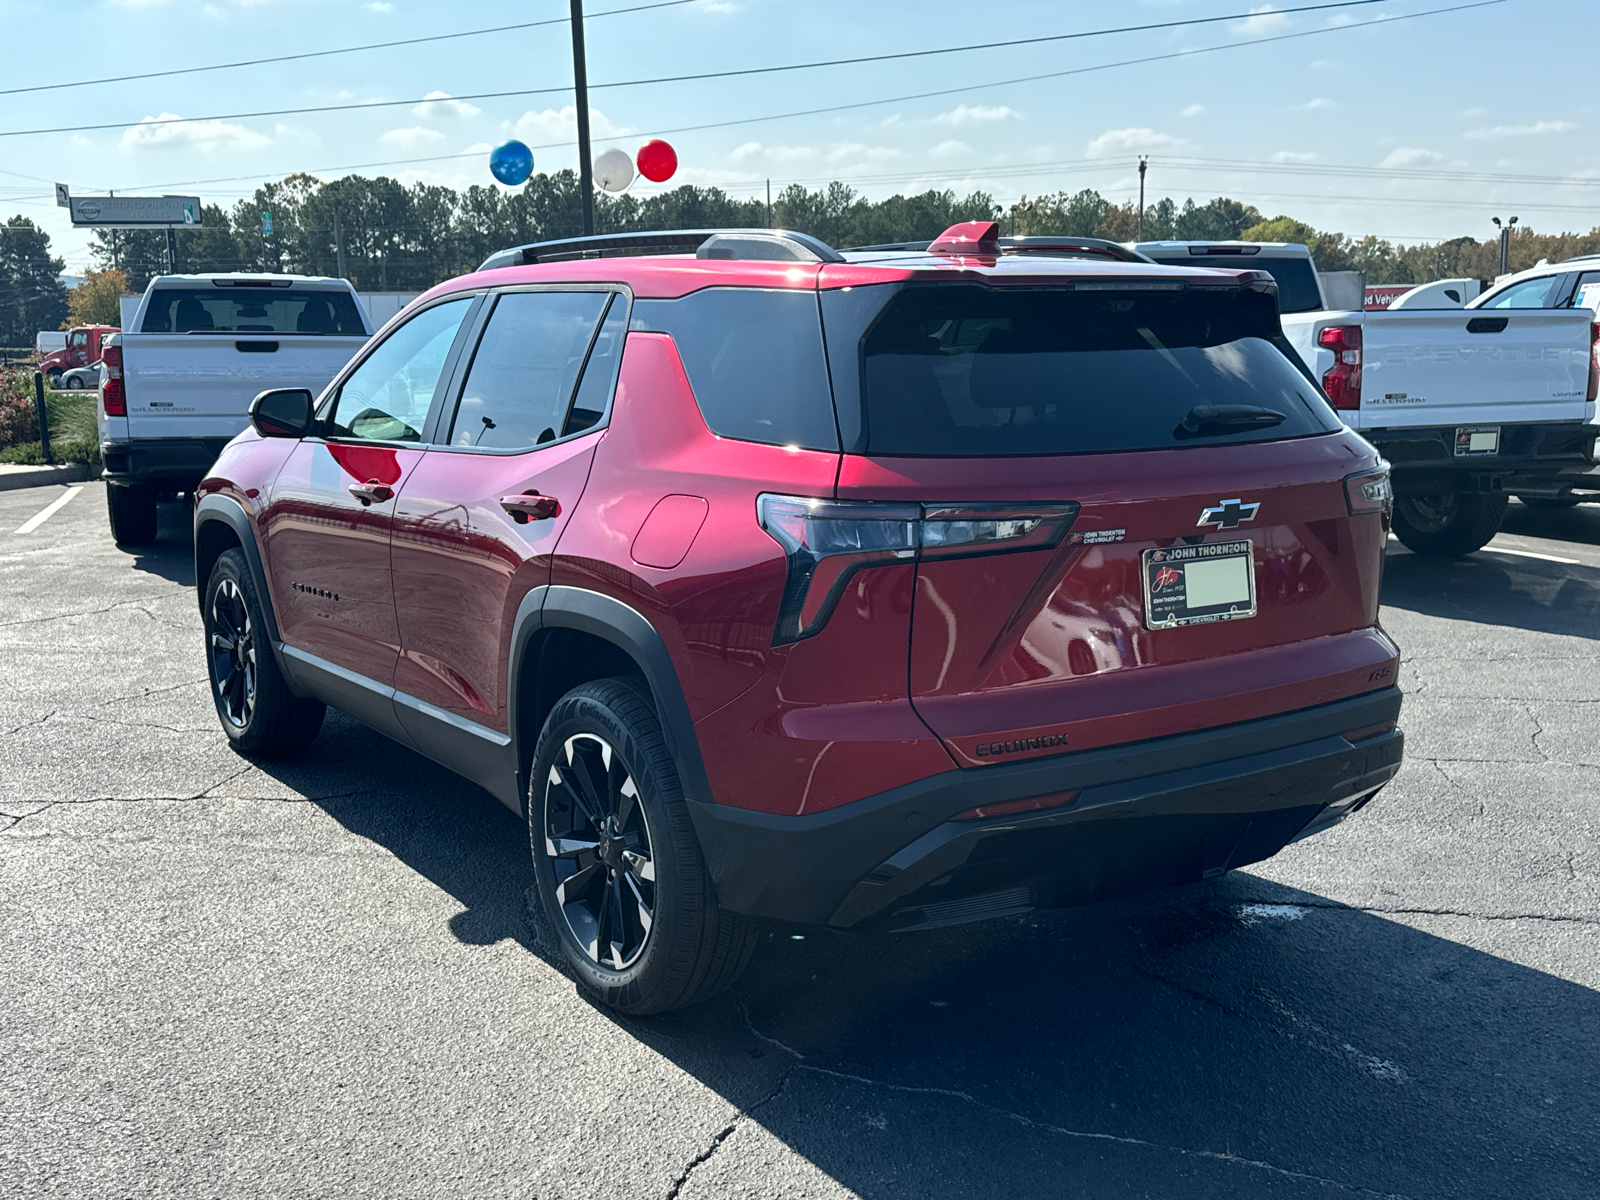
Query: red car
[{"x": 880, "y": 591}]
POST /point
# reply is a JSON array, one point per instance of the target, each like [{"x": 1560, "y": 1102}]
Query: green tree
[
  {"x": 1280, "y": 229},
  {"x": 97, "y": 300},
  {"x": 1220, "y": 220},
  {"x": 32, "y": 296}
]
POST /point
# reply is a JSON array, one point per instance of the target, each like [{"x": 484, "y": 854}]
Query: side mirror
[{"x": 283, "y": 413}]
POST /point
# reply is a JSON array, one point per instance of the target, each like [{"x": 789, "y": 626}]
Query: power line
[
  {"x": 282, "y": 58},
  {"x": 156, "y": 122}
]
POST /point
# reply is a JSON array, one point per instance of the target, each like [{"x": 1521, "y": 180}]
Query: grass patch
[
  {"x": 65, "y": 451},
  {"x": 72, "y": 416}
]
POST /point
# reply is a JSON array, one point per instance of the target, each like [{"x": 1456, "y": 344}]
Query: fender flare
[
  {"x": 602, "y": 616},
  {"x": 217, "y": 507}
]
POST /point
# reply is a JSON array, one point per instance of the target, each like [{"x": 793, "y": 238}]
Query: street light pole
[
  {"x": 580, "y": 85},
  {"x": 1144, "y": 162},
  {"x": 1505, "y": 242}
]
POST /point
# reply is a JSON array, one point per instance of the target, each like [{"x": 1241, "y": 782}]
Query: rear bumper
[
  {"x": 1534, "y": 458},
  {"x": 1167, "y": 811},
  {"x": 179, "y": 463}
]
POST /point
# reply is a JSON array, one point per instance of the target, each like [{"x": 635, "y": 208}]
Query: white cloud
[
  {"x": 1126, "y": 141},
  {"x": 1193, "y": 110},
  {"x": 561, "y": 125},
  {"x": 1410, "y": 156},
  {"x": 1293, "y": 156},
  {"x": 977, "y": 114},
  {"x": 439, "y": 104},
  {"x": 1537, "y": 129},
  {"x": 718, "y": 6},
  {"x": 381, "y": 7},
  {"x": 140, "y": 3},
  {"x": 859, "y": 152},
  {"x": 202, "y": 135},
  {"x": 950, "y": 148},
  {"x": 291, "y": 133},
  {"x": 756, "y": 150},
  {"x": 1262, "y": 19},
  {"x": 1316, "y": 103},
  {"x": 411, "y": 139}
]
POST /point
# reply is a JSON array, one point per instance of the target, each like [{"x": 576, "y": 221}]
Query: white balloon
[{"x": 613, "y": 170}]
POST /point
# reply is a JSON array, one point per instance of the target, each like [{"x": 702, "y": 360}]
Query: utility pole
[
  {"x": 338, "y": 243},
  {"x": 769, "y": 204},
  {"x": 1144, "y": 161},
  {"x": 580, "y": 85},
  {"x": 1505, "y": 242},
  {"x": 172, "y": 251}
]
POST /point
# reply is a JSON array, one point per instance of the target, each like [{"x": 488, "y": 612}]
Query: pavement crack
[
  {"x": 1408, "y": 911},
  {"x": 137, "y": 602},
  {"x": 32, "y": 723}
]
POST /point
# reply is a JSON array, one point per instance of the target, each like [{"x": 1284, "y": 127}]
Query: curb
[{"x": 15, "y": 476}]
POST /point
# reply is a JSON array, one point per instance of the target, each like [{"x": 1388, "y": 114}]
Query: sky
[{"x": 1365, "y": 119}]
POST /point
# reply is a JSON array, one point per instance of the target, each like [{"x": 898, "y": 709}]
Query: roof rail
[
  {"x": 1049, "y": 245},
  {"x": 780, "y": 245}
]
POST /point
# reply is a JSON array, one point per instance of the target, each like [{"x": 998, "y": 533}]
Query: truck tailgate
[
  {"x": 1462, "y": 366},
  {"x": 200, "y": 385}
]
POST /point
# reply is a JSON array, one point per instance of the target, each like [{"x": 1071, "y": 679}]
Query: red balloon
[{"x": 657, "y": 161}]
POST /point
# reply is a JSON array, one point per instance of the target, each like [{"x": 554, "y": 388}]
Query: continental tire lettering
[{"x": 1020, "y": 746}]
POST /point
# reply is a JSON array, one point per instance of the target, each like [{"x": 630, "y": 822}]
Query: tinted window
[
  {"x": 955, "y": 370},
  {"x": 754, "y": 358},
  {"x": 522, "y": 375},
  {"x": 1588, "y": 293},
  {"x": 388, "y": 396},
  {"x": 1296, "y": 277},
  {"x": 600, "y": 372},
  {"x": 1530, "y": 293},
  {"x": 252, "y": 310}
]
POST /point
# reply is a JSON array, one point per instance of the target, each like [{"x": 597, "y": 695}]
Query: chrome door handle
[
  {"x": 371, "y": 492},
  {"x": 530, "y": 507}
]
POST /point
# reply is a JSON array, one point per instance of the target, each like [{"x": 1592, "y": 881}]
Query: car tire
[
  {"x": 641, "y": 928},
  {"x": 1568, "y": 501},
  {"x": 74, "y": 384},
  {"x": 53, "y": 379},
  {"x": 1448, "y": 526},
  {"x": 262, "y": 717},
  {"x": 132, "y": 509}
]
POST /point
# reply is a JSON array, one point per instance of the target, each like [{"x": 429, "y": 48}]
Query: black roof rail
[
  {"x": 780, "y": 245},
  {"x": 1048, "y": 245}
]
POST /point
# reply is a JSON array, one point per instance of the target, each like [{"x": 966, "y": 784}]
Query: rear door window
[
  {"x": 755, "y": 361},
  {"x": 958, "y": 370},
  {"x": 1296, "y": 277},
  {"x": 1530, "y": 293},
  {"x": 253, "y": 310},
  {"x": 522, "y": 376}
]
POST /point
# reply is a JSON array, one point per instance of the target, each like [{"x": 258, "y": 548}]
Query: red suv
[{"x": 879, "y": 591}]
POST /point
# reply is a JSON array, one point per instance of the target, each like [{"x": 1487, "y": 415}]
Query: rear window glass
[
  {"x": 252, "y": 310},
  {"x": 755, "y": 360},
  {"x": 955, "y": 370},
  {"x": 1296, "y": 277}
]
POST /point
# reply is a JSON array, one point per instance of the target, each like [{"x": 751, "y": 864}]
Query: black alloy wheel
[
  {"x": 233, "y": 655},
  {"x": 597, "y": 838}
]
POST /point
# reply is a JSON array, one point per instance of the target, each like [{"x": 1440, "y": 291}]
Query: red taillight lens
[
  {"x": 1343, "y": 380},
  {"x": 828, "y": 541},
  {"x": 1594, "y": 362},
  {"x": 112, "y": 398},
  {"x": 1369, "y": 492}
]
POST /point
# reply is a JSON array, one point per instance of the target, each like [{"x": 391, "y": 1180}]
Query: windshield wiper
[{"x": 1204, "y": 419}]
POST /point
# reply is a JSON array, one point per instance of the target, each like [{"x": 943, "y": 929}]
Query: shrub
[{"x": 18, "y": 421}]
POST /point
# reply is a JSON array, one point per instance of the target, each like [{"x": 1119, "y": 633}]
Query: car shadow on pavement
[
  {"x": 1580, "y": 524},
  {"x": 1234, "y": 1038},
  {"x": 171, "y": 555},
  {"x": 1497, "y": 589}
]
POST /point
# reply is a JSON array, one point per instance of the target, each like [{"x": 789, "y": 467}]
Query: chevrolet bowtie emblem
[{"x": 1228, "y": 514}]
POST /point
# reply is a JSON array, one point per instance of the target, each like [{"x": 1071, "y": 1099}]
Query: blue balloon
[{"x": 511, "y": 162}]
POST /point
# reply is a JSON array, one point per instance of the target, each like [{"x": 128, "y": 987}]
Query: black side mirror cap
[{"x": 283, "y": 413}]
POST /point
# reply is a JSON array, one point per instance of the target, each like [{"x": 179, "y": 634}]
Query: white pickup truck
[
  {"x": 1469, "y": 406},
  {"x": 178, "y": 383}
]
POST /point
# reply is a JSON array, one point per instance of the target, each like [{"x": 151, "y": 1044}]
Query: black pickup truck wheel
[
  {"x": 132, "y": 509},
  {"x": 1448, "y": 526}
]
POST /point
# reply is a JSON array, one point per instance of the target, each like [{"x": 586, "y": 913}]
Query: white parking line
[
  {"x": 1571, "y": 562},
  {"x": 54, "y": 507}
]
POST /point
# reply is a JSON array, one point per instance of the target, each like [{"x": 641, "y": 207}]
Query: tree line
[{"x": 393, "y": 237}]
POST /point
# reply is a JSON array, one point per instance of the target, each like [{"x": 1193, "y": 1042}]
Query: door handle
[
  {"x": 371, "y": 492},
  {"x": 530, "y": 507}
]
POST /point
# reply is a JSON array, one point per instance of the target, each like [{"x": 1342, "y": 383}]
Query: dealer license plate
[
  {"x": 1475, "y": 440},
  {"x": 1195, "y": 585}
]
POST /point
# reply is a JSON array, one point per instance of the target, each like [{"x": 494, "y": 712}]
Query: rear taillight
[
  {"x": 1343, "y": 380},
  {"x": 112, "y": 398},
  {"x": 828, "y": 541},
  {"x": 1594, "y": 362},
  {"x": 1369, "y": 492}
]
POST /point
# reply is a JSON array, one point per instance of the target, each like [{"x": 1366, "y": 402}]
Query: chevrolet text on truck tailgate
[
  {"x": 1469, "y": 406},
  {"x": 177, "y": 385},
  {"x": 879, "y": 591}
]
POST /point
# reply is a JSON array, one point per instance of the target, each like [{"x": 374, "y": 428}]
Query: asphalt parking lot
[{"x": 319, "y": 978}]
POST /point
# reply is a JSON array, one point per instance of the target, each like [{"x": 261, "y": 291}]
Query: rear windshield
[
  {"x": 957, "y": 370},
  {"x": 1297, "y": 279},
  {"x": 252, "y": 310}
]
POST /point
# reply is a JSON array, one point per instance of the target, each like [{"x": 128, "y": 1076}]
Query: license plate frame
[
  {"x": 1166, "y": 599},
  {"x": 1477, "y": 441}
]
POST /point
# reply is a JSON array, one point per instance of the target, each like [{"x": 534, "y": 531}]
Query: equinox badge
[{"x": 1228, "y": 514}]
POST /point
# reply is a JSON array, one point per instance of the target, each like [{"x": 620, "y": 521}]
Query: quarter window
[
  {"x": 1530, "y": 293},
  {"x": 387, "y": 397},
  {"x": 522, "y": 376}
]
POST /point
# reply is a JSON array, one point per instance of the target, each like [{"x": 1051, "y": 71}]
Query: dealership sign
[{"x": 132, "y": 212}]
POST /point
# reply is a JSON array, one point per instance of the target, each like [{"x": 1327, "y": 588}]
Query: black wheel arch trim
[{"x": 228, "y": 511}]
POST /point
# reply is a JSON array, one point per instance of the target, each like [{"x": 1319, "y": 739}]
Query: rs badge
[{"x": 1229, "y": 513}]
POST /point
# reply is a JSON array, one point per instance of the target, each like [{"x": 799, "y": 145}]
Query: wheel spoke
[
  {"x": 219, "y": 642},
  {"x": 641, "y": 909},
  {"x": 619, "y": 926},
  {"x": 571, "y": 779},
  {"x": 570, "y": 847},
  {"x": 639, "y": 865},
  {"x": 627, "y": 798},
  {"x": 570, "y": 890}
]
